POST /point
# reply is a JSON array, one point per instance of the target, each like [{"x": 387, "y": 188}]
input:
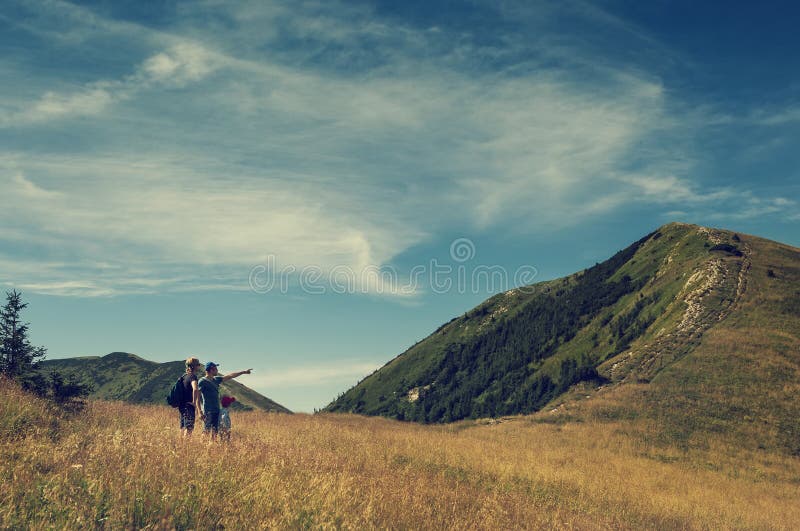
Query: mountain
[
  {"x": 123, "y": 376},
  {"x": 688, "y": 322}
]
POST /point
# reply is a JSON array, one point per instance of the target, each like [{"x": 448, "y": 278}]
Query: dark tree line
[
  {"x": 496, "y": 374},
  {"x": 632, "y": 324},
  {"x": 19, "y": 359}
]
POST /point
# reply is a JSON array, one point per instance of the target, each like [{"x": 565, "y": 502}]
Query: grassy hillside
[
  {"x": 740, "y": 378},
  {"x": 631, "y": 322},
  {"x": 490, "y": 361},
  {"x": 123, "y": 376},
  {"x": 348, "y": 472}
]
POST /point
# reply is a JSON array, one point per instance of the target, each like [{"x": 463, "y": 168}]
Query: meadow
[{"x": 118, "y": 465}]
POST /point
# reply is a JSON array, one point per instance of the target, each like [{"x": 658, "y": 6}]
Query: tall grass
[{"x": 121, "y": 466}]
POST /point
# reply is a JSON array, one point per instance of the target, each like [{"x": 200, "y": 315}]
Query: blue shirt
[{"x": 209, "y": 389}]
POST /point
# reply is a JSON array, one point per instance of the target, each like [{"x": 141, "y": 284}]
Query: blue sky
[{"x": 160, "y": 162}]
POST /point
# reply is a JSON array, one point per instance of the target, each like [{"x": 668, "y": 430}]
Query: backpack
[{"x": 176, "y": 397}]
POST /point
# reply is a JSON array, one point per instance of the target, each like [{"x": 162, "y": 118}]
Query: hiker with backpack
[
  {"x": 209, "y": 391},
  {"x": 185, "y": 395}
]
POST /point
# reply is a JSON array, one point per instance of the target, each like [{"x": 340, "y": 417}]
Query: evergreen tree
[
  {"x": 68, "y": 394},
  {"x": 18, "y": 358}
]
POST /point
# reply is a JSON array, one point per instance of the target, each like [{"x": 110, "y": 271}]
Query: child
[{"x": 225, "y": 418}]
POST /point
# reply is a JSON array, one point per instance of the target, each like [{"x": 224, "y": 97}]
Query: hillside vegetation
[
  {"x": 123, "y": 376},
  {"x": 686, "y": 323},
  {"x": 739, "y": 375},
  {"x": 351, "y": 472}
]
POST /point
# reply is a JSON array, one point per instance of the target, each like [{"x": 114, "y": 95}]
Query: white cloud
[
  {"x": 68, "y": 24},
  {"x": 29, "y": 189},
  {"x": 753, "y": 207},
  {"x": 161, "y": 66},
  {"x": 215, "y": 148},
  {"x": 167, "y": 219},
  {"x": 550, "y": 146},
  {"x": 92, "y": 101},
  {"x": 72, "y": 288},
  {"x": 788, "y": 115},
  {"x": 89, "y": 101},
  {"x": 184, "y": 62},
  {"x": 311, "y": 374},
  {"x": 671, "y": 189}
]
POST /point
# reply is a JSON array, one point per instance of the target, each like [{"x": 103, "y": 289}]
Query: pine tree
[
  {"x": 18, "y": 358},
  {"x": 69, "y": 394}
]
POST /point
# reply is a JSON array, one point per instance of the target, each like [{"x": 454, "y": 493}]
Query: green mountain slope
[
  {"x": 127, "y": 377},
  {"x": 622, "y": 323},
  {"x": 724, "y": 369}
]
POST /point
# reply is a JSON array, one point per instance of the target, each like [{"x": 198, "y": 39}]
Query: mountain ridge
[
  {"x": 131, "y": 378},
  {"x": 620, "y": 323}
]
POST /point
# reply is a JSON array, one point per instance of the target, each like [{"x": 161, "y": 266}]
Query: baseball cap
[{"x": 210, "y": 365}]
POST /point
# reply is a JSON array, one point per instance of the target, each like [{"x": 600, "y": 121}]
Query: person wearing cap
[
  {"x": 190, "y": 389},
  {"x": 209, "y": 391}
]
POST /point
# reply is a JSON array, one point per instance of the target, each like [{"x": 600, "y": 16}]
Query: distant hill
[
  {"x": 123, "y": 376},
  {"x": 687, "y": 325}
]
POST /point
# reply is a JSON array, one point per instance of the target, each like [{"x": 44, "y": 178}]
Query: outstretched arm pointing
[{"x": 236, "y": 374}]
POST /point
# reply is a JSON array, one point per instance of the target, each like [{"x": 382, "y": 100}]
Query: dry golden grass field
[{"x": 120, "y": 466}]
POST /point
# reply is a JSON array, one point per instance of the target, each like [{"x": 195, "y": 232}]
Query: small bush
[{"x": 727, "y": 248}]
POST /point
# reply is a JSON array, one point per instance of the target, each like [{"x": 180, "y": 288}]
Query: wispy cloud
[
  {"x": 312, "y": 373},
  {"x": 91, "y": 101},
  {"x": 163, "y": 220},
  {"x": 673, "y": 190},
  {"x": 749, "y": 207},
  {"x": 182, "y": 63},
  {"x": 776, "y": 117},
  {"x": 324, "y": 135}
]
